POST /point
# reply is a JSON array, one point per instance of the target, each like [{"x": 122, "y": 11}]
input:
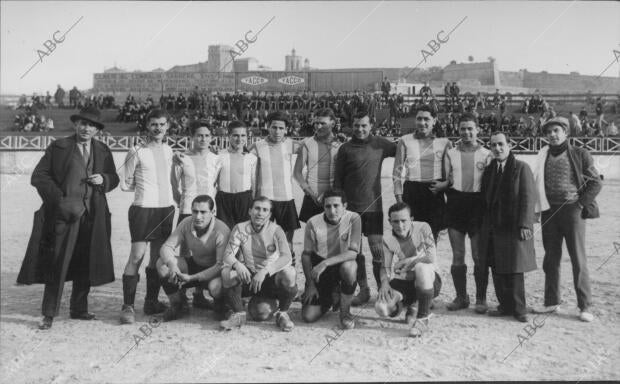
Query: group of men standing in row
[{"x": 237, "y": 217}]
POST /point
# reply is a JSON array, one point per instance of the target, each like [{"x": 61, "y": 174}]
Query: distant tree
[{"x": 471, "y": 59}]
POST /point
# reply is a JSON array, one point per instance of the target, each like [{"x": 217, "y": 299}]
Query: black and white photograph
[{"x": 309, "y": 191}]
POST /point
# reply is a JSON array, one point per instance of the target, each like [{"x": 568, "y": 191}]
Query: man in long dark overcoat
[
  {"x": 506, "y": 236},
  {"x": 71, "y": 233}
]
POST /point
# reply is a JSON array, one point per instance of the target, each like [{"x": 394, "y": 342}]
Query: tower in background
[
  {"x": 220, "y": 59},
  {"x": 292, "y": 62}
]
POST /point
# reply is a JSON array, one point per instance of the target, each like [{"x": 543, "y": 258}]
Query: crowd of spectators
[
  {"x": 219, "y": 108},
  {"x": 31, "y": 121},
  {"x": 253, "y": 108}
]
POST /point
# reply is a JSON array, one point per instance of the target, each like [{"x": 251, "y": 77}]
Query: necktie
[
  {"x": 496, "y": 179},
  {"x": 85, "y": 153}
]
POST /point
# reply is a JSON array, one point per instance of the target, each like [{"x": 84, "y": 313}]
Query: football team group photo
[{"x": 363, "y": 220}]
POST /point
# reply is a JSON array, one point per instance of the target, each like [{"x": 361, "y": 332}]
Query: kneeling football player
[
  {"x": 262, "y": 271},
  {"x": 204, "y": 238},
  {"x": 331, "y": 244},
  {"x": 413, "y": 276}
]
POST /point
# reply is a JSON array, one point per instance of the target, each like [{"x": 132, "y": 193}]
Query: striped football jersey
[
  {"x": 326, "y": 239},
  {"x": 148, "y": 171}
]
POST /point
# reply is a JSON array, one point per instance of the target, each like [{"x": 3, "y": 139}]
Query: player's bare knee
[
  {"x": 424, "y": 276},
  {"x": 227, "y": 280},
  {"x": 286, "y": 277},
  {"x": 215, "y": 287},
  {"x": 348, "y": 271},
  {"x": 135, "y": 259}
]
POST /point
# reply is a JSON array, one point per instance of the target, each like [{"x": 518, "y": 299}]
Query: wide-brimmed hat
[
  {"x": 561, "y": 121},
  {"x": 90, "y": 114}
]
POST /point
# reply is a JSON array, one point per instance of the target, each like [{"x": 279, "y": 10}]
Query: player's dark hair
[
  {"x": 426, "y": 108},
  {"x": 468, "y": 116},
  {"x": 157, "y": 114},
  {"x": 236, "y": 124},
  {"x": 204, "y": 199},
  {"x": 335, "y": 193},
  {"x": 399, "y": 207},
  {"x": 360, "y": 114},
  {"x": 263, "y": 199},
  {"x": 326, "y": 112},
  {"x": 201, "y": 123},
  {"x": 494, "y": 133},
  {"x": 278, "y": 115}
]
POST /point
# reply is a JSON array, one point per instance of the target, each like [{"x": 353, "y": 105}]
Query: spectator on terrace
[
  {"x": 575, "y": 125},
  {"x": 600, "y": 104},
  {"x": 426, "y": 91},
  {"x": 600, "y": 124},
  {"x": 59, "y": 97},
  {"x": 385, "y": 88},
  {"x": 455, "y": 90},
  {"x": 181, "y": 103},
  {"x": 496, "y": 98},
  {"x": 447, "y": 91},
  {"x": 49, "y": 125},
  {"x": 74, "y": 97},
  {"x": 612, "y": 129}
]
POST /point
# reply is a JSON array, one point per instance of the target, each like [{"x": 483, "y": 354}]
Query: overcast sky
[{"x": 557, "y": 36}]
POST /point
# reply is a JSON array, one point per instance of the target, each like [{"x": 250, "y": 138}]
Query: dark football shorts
[
  {"x": 268, "y": 289},
  {"x": 464, "y": 211},
  {"x": 148, "y": 224},
  {"x": 233, "y": 208},
  {"x": 328, "y": 281},
  {"x": 425, "y": 206},
  {"x": 372, "y": 223},
  {"x": 309, "y": 209},
  {"x": 284, "y": 213},
  {"x": 407, "y": 288}
]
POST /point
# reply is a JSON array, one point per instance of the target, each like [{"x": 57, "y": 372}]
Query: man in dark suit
[
  {"x": 506, "y": 236},
  {"x": 71, "y": 234}
]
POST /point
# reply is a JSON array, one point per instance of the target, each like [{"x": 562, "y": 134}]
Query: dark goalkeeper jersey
[{"x": 358, "y": 172}]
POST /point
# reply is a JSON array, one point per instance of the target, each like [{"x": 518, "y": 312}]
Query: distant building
[
  {"x": 248, "y": 64},
  {"x": 114, "y": 69},
  {"x": 220, "y": 58},
  {"x": 292, "y": 62},
  {"x": 199, "y": 67}
]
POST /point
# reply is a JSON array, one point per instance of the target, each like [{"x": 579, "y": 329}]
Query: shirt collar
[
  {"x": 502, "y": 164},
  {"x": 408, "y": 235},
  {"x": 251, "y": 230},
  {"x": 209, "y": 229},
  {"x": 81, "y": 145}
]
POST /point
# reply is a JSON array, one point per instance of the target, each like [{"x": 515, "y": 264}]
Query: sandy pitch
[{"x": 460, "y": 346}]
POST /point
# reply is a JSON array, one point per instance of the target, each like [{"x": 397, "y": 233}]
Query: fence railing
[
  {"x": 596, "y": 145},
  {"x": 520, "y": 97}
]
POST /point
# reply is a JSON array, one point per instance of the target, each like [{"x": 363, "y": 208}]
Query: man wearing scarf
[
  {"x": 567, "y": 183},
  {"x": 506, "y": 236}
]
